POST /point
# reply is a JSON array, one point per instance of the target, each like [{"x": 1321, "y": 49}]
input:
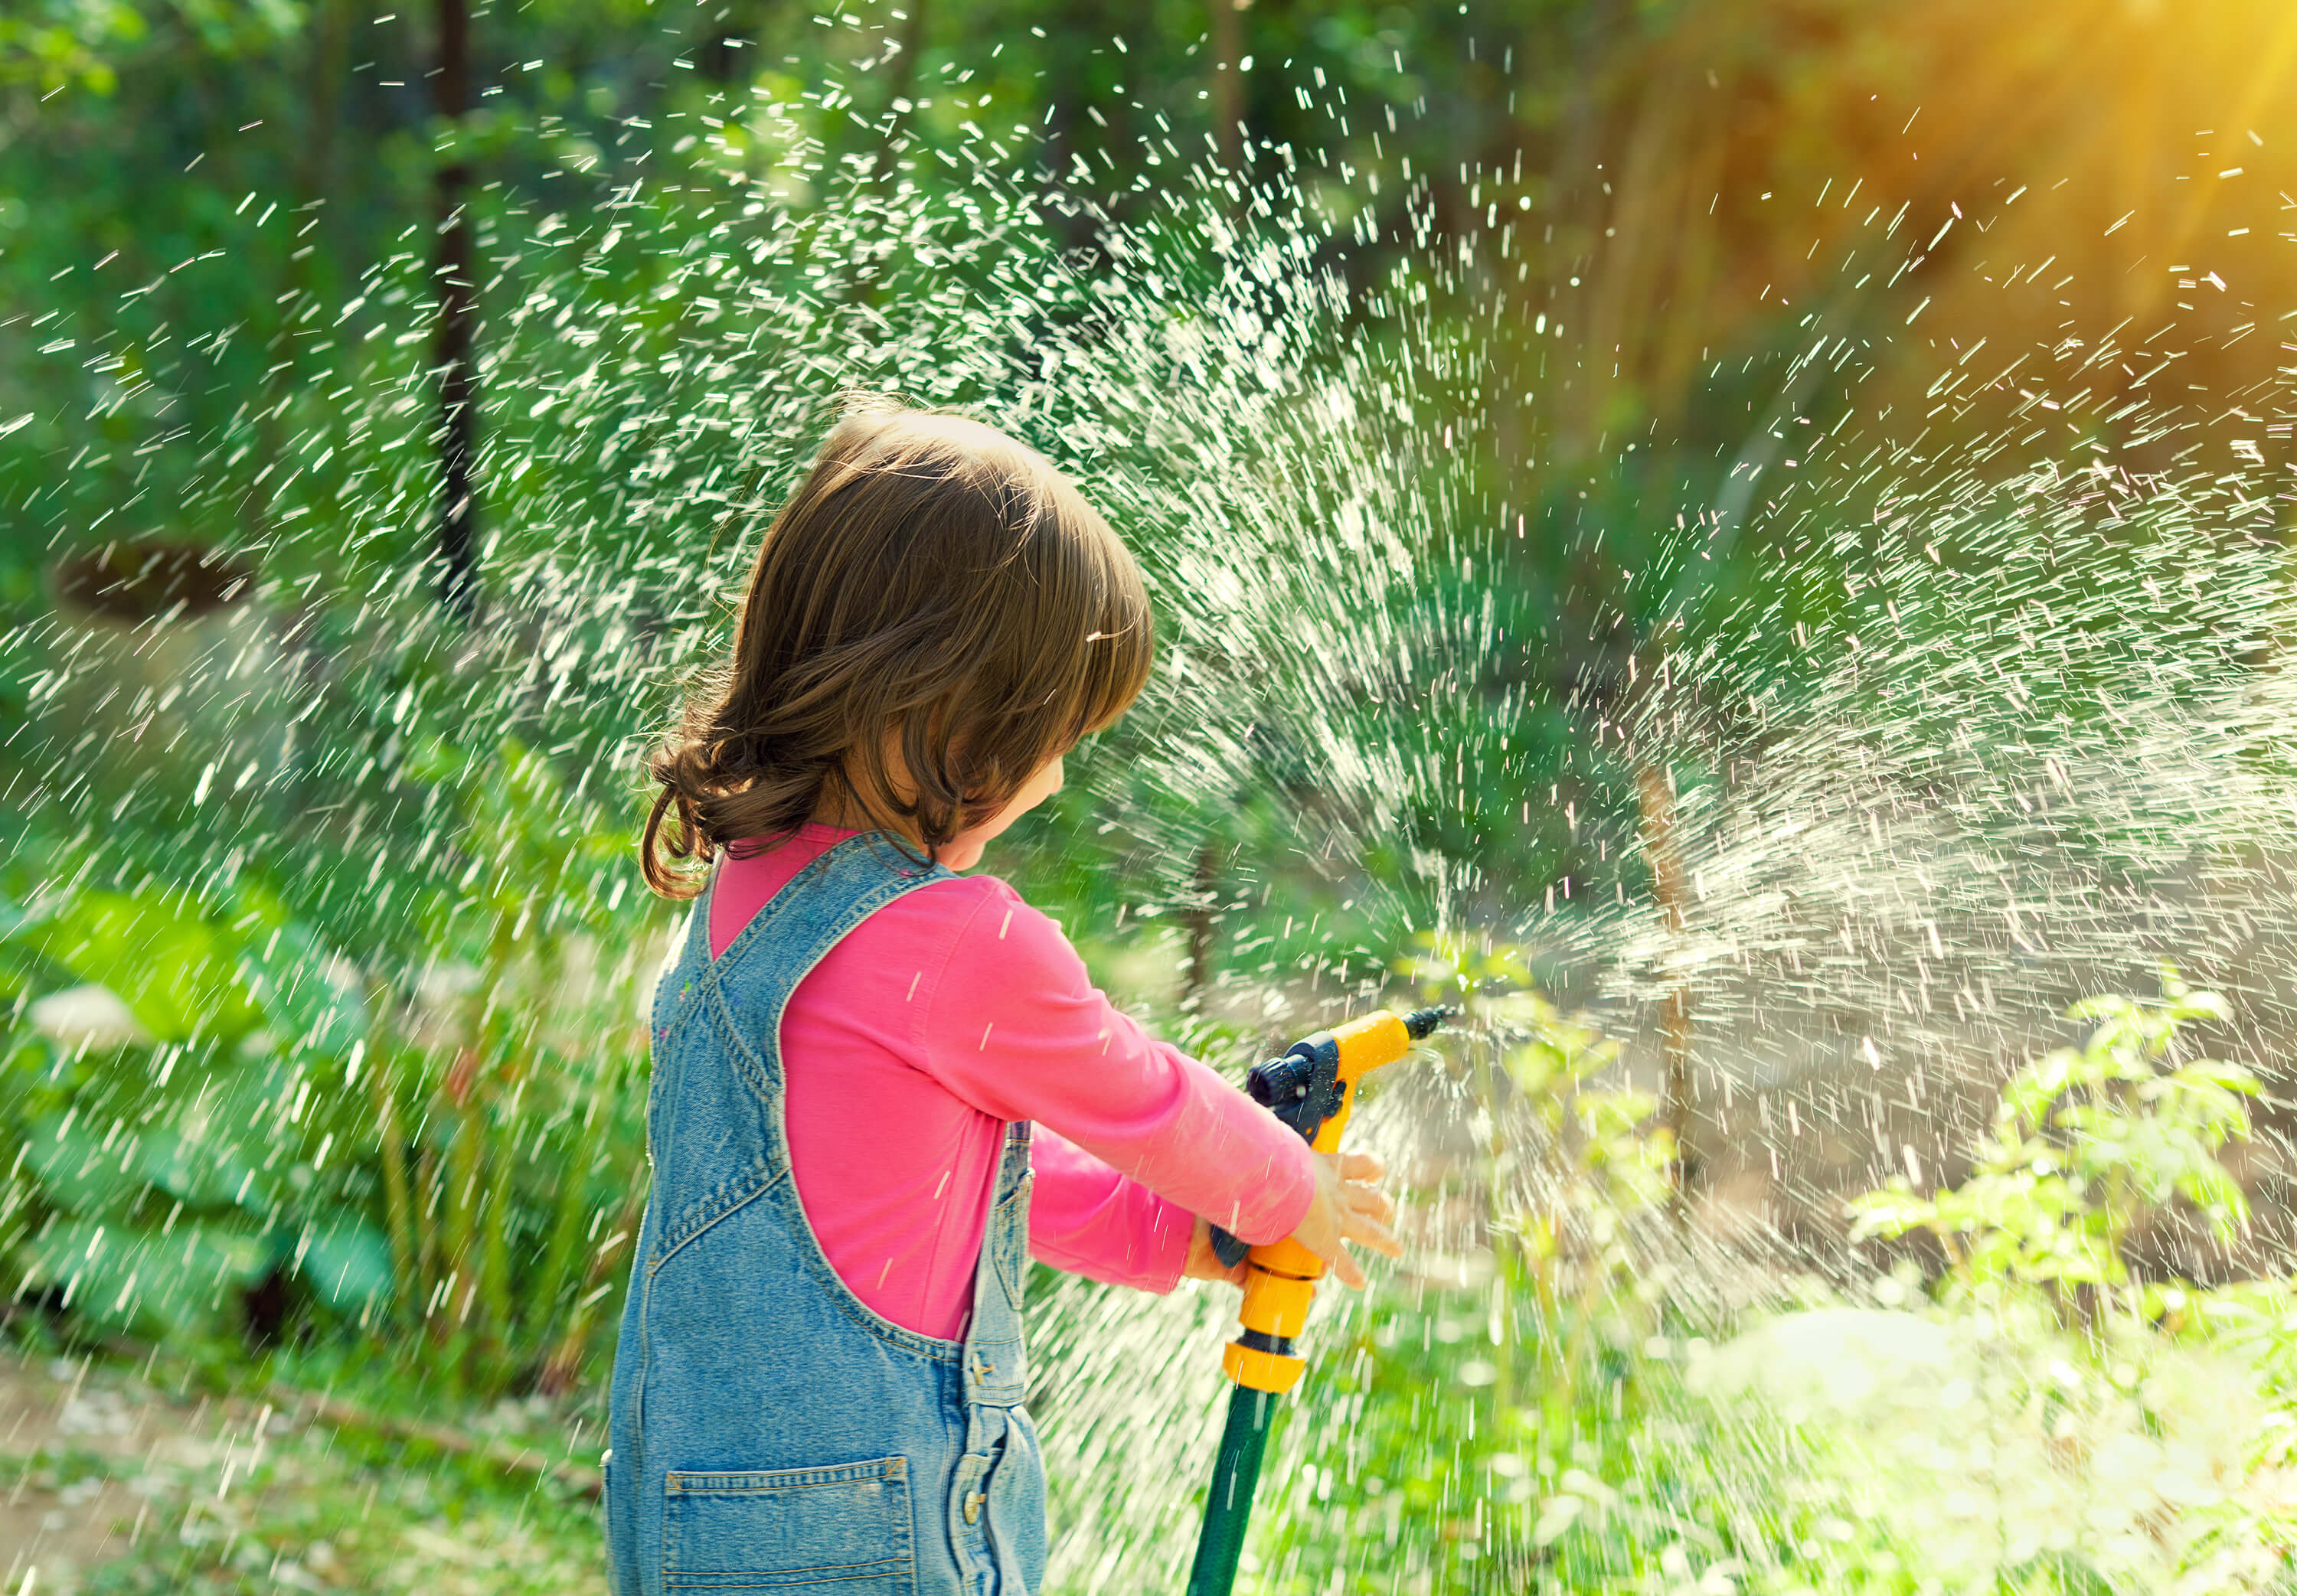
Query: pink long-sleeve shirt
[{"x": 950, "y": 1011}]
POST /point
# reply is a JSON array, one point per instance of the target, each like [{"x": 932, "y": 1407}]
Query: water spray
[{"x": 1312, "y": 1088}]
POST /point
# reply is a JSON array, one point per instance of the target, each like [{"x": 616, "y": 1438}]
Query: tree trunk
[
  {"x": 459, "y": 308},
  {"x": 901, "y": 87},
  {"x": 332, "y": 22},
  {"x": 733, "y": 30},
  {"x": 1655, "y": 797},
  {"x": 1197, "y": 974},
  {"x": 1228, "y": 84},
  {"x": 1070, "y": 215}
]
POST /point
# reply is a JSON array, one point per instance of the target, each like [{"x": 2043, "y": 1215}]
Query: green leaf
[
  {"x": 77, "y": 1174},
  {"x": 1891, "y": 1212},
  {"x": 285, "y": 972},
  {"x": 205, "y": 1170},
  {"x": 347, "y": 1263},
  {"x": 15, "y": 919},
  {"x": 167, "y": 965},
  {"x": 2201, "y": 1005},
  {"x": 2032, "y": 1091},
  {"x": 2229, "y": 1077},
  {"x": 181, "y": 1282}
]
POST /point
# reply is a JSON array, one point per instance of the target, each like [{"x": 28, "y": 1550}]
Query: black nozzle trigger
[{"x": 1303, "y": 1090}]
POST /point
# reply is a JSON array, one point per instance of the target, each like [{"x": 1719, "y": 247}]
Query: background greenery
[
  {"x": 323, "y": 1035},
  {"x": 215, "y": 248}
]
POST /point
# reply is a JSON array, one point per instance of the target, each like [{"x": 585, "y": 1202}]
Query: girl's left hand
[{"x": 1203, "y": 1264}]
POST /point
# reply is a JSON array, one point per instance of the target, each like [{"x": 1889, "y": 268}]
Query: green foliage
[
  {"x": 1569, "y": 1421},
  {"x": 1596, "y": 1163},
  {"x": 173, "y": 1282},
  {"x": 2051, "y": 1421},
  {"x": 1519, "y": 1431},
  {"x": 178, "y": 1135},
  {"x": 258, "y": 1497},
  {"x": 392, "y": 1060},
  {"x": 211, "y": 1095},
  {"x": 234, "y": 349},
  {"x": 2087, "y": 1143},
  {"x": 57, "y": 44}
]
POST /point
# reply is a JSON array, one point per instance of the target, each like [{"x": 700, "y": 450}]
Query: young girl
[{"x": 879, "y": 1085}]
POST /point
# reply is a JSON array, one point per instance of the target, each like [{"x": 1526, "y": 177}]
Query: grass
[
  {"x": 118, "y": 1485},
  {"x": 2035, "y": 1418}
]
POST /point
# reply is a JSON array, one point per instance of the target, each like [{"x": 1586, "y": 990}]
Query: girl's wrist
[
  {"x": 1203, "y": 1263},
  {"x": 1304, "y": 1191}
]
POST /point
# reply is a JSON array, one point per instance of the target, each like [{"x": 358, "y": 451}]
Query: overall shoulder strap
[{"x": 814, "y": 910}]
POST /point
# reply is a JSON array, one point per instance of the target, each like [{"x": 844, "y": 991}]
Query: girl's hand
[
  {"x": 1349, "y": 1207},
  {"x": 1203, "y": 1264}
]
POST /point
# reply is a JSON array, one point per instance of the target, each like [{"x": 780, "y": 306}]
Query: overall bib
[{"x": 768, "y": 1430}]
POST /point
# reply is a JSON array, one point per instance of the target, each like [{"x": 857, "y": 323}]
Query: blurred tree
[
  {"x": 58, "y": 44},
  {"x": 1645, "y": 216},
  {"x": 457, "y": 286}
]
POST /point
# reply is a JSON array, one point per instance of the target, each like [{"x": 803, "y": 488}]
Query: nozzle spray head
[
  {"x": 1305, "y": 1088},
  {"x": 1421, "y": 1022}
]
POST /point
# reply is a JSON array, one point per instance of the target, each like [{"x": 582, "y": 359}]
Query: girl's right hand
[{"x": 1349, "y": 1207}]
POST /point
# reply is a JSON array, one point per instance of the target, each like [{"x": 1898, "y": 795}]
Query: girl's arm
[
  {"x": 1089, "y": 1220},
  {"x": 1015, "y": 1027}
]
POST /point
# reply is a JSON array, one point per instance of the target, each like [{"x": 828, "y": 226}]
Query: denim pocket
[{"x": 838, "y": 1531}]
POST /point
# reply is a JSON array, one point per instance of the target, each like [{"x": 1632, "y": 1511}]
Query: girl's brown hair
[{"x": 930, "y": 578}]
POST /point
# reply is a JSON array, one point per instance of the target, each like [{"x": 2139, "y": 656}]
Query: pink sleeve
[
  {"x": 1015, "y": 1028},
  {"x": 1086, "y": 1218}
]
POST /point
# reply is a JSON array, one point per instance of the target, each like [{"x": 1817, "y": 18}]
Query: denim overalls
[{"x": 768, "y": 1430}]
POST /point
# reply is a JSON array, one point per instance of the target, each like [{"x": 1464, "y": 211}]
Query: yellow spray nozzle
[{"x": 1313, "y": 1089}]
